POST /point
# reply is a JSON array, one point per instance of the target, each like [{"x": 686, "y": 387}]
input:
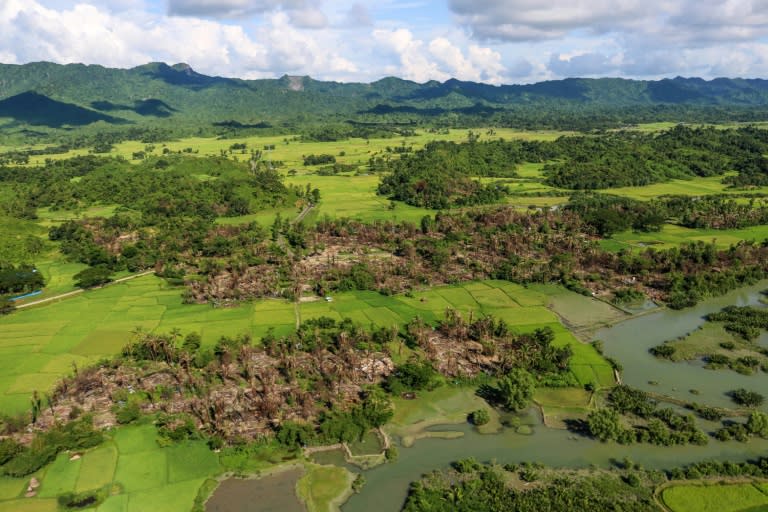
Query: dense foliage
[
  {"x": 744, "y": 321},
  {"x": 478, "y": 488},
  {"x": 19, "y": 278},
  {"x": 21, "y": 461},
  {"x": 440, "y": 175},
  {"x": 647, "y": 422}
]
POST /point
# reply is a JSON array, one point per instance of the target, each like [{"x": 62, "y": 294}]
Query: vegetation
[
  {"x": 262, "y": 380},
  {"x": 747, "y": 398},
  {"x": 23, "y": 461},
  {"x": 647, "y": 422},
  {"x": 471, "y": 486}
]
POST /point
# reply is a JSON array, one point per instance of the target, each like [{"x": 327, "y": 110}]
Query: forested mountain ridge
[{"x": 153, "y": 92}]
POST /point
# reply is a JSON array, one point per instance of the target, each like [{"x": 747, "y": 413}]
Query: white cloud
[
  {"x": 585, "y": 64},
  {"x": 495, "y": 41},
  {"x": 439, "y": 59},
  {"x": 524, "y": 20},
  {"x": 414, "y": 64}
]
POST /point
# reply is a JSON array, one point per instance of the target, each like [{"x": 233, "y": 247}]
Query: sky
[{"x": 492, "y": 41}]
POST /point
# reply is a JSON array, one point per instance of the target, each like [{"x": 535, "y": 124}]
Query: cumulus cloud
[
  {"x": 586, "y": 64},
  {"x": 648, "y": 38},
  {"x": 525, "y": 20},
  {"x": 90, "y": 35},
  {"x": 440, "y": 58}
]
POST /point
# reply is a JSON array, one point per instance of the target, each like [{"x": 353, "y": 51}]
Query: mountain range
[{"x": 58, "y": 96}]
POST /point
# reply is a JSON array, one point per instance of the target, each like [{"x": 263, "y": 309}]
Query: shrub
[
  {"x": 88, "y": 499},
  {"x": 747, "y": 398},
  {"x": 127, "y": 413},
  {"x": 663, "y": 351},
  {"x": 479, "y": 417}
]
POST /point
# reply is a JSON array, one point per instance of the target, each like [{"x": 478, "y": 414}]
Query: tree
[
  {"x": 376, "y": 408},
  {"x": 479, "y": 417},
  {"x": 747, "y": 398},
  {"x": 604, "y": 424},
  {"x": 192, "y": 342},
  {"x": 93, "y": 276},
  {"x": 7, "y": 306},
  {"x": 515, "y": 390},
  {"x": 757, "y": 424}
]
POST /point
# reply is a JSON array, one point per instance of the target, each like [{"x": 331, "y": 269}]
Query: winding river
[{"x": 627, "y": 342}]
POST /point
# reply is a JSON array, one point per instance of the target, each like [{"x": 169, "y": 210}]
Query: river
[{"x": 627, "y": 342}]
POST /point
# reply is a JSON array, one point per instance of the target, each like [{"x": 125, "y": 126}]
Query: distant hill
[{"x": 53, "y": 95}]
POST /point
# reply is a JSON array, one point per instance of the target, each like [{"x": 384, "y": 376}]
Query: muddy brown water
[{"x": 273, "y": 493}]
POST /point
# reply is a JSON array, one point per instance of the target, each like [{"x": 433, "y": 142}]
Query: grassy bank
[{"x": 138, "y": 473}]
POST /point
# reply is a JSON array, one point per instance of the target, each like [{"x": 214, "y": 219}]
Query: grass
[
  {"x": 323, "y": 488},
  {"x": 715, "y": 498},
  {"x": 443, "y": 406},
  {"x": 673, "y": 235},
  {"x": 41, "y": 344},
  {"x": 291, "y": 151},
  {"x": 144, "y": 475}
]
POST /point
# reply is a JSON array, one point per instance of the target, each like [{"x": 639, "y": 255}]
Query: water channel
[{"x": 628, "y": 342}]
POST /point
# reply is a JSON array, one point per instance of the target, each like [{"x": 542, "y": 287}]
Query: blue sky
[{"x": 494, "y": 41}]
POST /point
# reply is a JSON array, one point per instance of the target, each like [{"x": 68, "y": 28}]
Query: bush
[
  {"x": 479, "y": 417},
  {"x": 127, "y": 413},
  {"x": 747, "y": 398},
  {"x": 93, "y": 276},
  {"x": 358, "y": 483},
  {"x": 663, "y": 351},
  {"x": 411, "y": 376},
  {"x": 88, "y": 499}
]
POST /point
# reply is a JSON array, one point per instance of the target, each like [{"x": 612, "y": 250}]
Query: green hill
[{"x": 53, "y": 95}]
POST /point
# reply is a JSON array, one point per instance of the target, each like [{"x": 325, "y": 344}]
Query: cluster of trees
[
  {"x": 755, "y": 426},
  {"x": 440, "y": 175},
  {"x": 470, "y": 486},
  {"x": 610, "y": 214},
  {"x": 17, "y": 460},
  {"x": 744, "y": 321},
  {"x": 653, "y": 425},
  {"x": 157, "y": 188},
  {"x": 635, "y": 159},
  {"x": 21, "y": 278},
  {"x": 319, "y": 159}
]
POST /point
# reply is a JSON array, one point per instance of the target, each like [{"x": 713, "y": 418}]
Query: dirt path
[
  {"x": 77, "y": 292},
  {"x": 303, "y": 213},
  {"x": 297, "y": 313}
]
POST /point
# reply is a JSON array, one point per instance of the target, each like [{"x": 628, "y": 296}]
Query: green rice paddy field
[
  {"x": 140, "y": 474},
  {"x": 717, "y": 498},
  {"x": 38, "y": 345},
  {"x": 291, "y": 151},
  {"x": 672, "y": 236}
]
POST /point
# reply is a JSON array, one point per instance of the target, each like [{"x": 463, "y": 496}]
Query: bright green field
[
  {"x": 40, "y": 344},
  {"x": 672, "y": 236},
  {"x": 716, "y": 498},
  {"x": 291, "y": 152},
  {"x": 142, "y": 475},
  {"x": 692, "y": 187},
  {"x": 321, "y": 487}
]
